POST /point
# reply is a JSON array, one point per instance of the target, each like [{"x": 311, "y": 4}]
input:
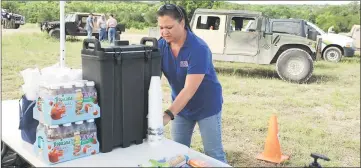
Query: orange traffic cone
[{"x": 272, "y": 148}]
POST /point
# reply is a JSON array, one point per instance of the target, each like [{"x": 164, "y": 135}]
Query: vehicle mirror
[
  {"x": 259, "y": 24},
  {"x": 312, "y": 34}
]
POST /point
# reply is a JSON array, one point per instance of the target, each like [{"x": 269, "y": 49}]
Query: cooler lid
[{"x": 128, "y": 48}]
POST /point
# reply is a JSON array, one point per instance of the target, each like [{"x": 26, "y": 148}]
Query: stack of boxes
[{"x": 66, "y": 114}]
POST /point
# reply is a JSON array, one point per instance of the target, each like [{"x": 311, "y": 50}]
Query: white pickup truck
[
  {"x": 355, "y": 35},
  {"x": 343, "y": 43}
]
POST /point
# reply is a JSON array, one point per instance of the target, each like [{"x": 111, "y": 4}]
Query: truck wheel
[
  {"x": 17, "y": 26},
  {"x": 332, "y": 54},
  {"x": 55, "y": 33},
  {"x": 294, "y": 65}
]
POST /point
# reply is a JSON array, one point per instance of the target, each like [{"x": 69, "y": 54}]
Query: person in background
[
  {"x": 102, "y": 24},
  {"x": 89, "y": 25},
  {"x": 196, "y": 91},
  {"x": 111, "y": 24}
]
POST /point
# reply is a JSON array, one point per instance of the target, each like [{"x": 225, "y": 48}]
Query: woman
[
  {"x": 111, "y": 24},
  {"x": 196, "y": 91},
  {"x": 102, "y": 24}
]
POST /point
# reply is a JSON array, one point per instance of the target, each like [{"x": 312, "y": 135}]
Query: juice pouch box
[
  {"x": 37, "y": 110},
  {"x": 56, "y": 144},
  {"x": 86, "y": 99},
  {"x": 67, "y": 104}
]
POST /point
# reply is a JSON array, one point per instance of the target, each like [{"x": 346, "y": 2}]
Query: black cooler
[{"x": 122, "y": 76}]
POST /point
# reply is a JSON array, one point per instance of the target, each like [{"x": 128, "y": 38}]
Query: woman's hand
[{"x": 166, "y": 119}]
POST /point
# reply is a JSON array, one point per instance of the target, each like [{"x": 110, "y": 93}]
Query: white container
[{"x": 155, "y": 114}]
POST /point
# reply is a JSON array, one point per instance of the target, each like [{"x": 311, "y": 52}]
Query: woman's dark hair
[{"x": 176, "y": 12}]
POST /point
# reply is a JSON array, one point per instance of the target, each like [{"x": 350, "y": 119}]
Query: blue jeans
[
  {"x": 111, "y": 34},
  {"x": 211, "y": 133},
  {"x": 90, "y": 33},
  {"x": 102, "y": 34}
]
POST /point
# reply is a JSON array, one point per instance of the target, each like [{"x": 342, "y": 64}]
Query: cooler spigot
[{"x": 315, "y": 157}]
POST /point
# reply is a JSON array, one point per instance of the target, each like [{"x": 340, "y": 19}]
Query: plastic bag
[
  {"x": 49, "y": 75},
  {"x": 31, "y": 82}
]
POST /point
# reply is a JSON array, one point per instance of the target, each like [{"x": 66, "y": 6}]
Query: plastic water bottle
[
  {"x": 79, "y": 87},
  {"x": 91, "y": 126},
  {"x": 155, "y": 115},
  {"x": 67, "y": 131},
  {"x": 53, "y": 133},
  {"x": 78, "y": 132},
  {"x": 92, "y": 130},
  {"x": 92, "y": 92}
]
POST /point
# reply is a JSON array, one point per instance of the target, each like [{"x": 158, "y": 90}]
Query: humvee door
[
  {"x": 71, "y": 24},
  {"x": 210, "y": 27},
  {"x": 82, "y": 24},
  {"x": 239, "y": 40}
]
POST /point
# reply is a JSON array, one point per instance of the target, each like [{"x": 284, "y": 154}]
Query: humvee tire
[
  {"x": 55, "y": 33},
  {"x": 294, "y": 65},
  {"x": 17, "y": 26},
  {"x": 332, "y": 54}
]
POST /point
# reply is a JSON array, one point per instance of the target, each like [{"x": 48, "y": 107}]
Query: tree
[{"x": 140, "y": 14}]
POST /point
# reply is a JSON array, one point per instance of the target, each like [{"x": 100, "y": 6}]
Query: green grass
[
  {"x": 322, "y": 116},
  {"x": 30, "y": 26},
  {"x": 131, "y": 30}
]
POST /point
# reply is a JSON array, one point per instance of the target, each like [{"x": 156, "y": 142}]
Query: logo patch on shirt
[{"x": 184, "y": 64}]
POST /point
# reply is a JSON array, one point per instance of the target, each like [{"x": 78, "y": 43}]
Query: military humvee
[
  {"x": 334, "y": 46},
  {"x": 74, "y": 26},
  {"x": 11, "y": 20},
  {"x": 224, "y": 32}
]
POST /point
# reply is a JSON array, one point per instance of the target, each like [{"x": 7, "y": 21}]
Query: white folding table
[{"x": 119, "y": 157}]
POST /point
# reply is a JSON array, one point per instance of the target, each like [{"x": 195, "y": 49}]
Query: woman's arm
[
  {"x": 107, "y": 25},
  {"x": 191, "y": 85},
  {"x": 198, "y": 66}
]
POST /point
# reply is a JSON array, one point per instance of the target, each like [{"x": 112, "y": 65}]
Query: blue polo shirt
[{"x": 194, "y": 57}]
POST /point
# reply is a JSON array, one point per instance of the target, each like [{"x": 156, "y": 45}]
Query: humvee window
[
  {"x": 70, "y": 18},
  {"x": 83, "y": 19},
  {"x": 288, "y": 27},
  {"x": 311, "y": 28},
  {"x": 240, "y": 24},
  {"x": 208, "y": 22}
]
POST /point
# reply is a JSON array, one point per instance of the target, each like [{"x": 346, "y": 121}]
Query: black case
[{"x": 122, "y": 76}]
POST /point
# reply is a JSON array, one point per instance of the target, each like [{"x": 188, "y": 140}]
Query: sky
[{"x": 293, "y": 2}]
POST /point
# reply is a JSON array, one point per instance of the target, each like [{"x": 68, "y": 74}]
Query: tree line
[{"x": 140, "y": 15}]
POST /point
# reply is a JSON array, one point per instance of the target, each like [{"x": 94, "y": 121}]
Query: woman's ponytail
[{"x": 186, "y": 20}]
